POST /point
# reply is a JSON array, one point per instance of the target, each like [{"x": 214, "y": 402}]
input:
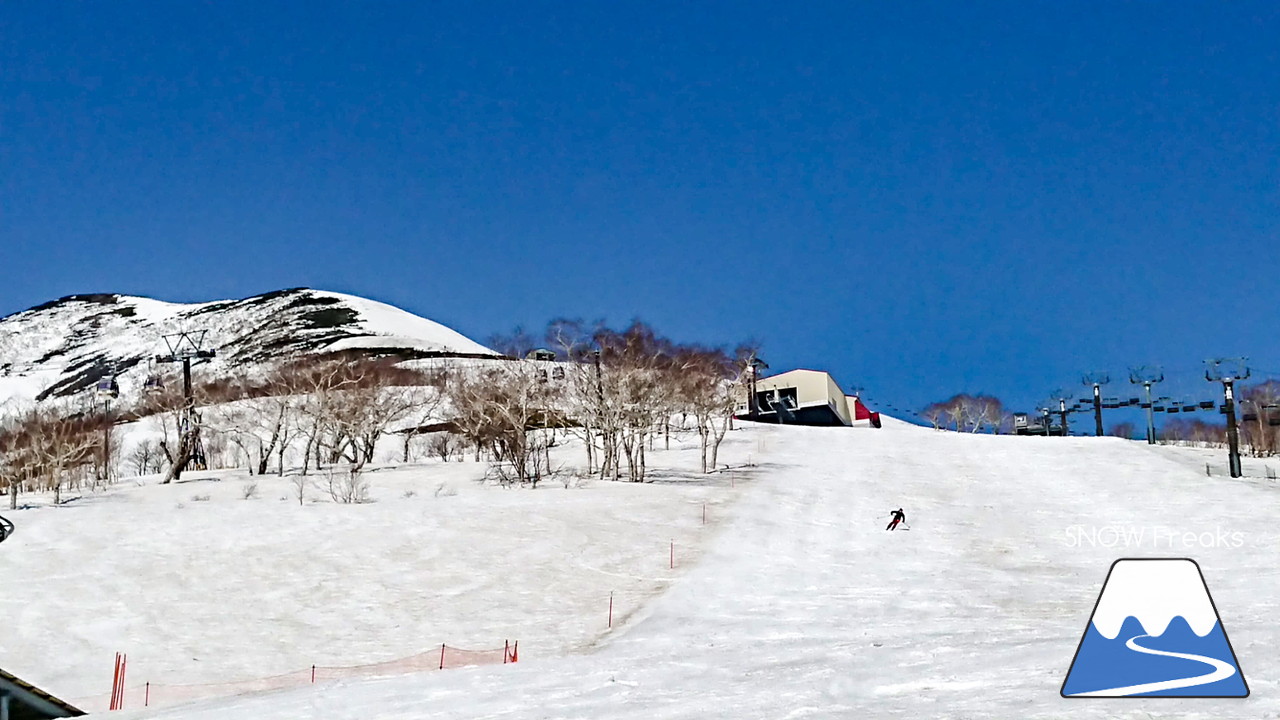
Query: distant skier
[{"x": 898, "y": 517}]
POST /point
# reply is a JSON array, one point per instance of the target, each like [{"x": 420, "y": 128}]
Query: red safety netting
[{"x": 132, "y": 693}]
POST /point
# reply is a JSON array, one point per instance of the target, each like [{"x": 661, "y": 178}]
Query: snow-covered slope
[
  {"x": 200, "y": 584},
  {"x": 804, "y": 607},
  {"x": 63, "y": 347}
]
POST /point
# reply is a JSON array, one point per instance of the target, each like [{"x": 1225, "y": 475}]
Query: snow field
[
  {"x": 803, "y": 606},
  {"x": 199, "y": 585}
]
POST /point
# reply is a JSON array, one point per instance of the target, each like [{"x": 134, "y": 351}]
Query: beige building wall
[
  {"x": 838, "y": 400},
  {"x": 813, "y": 387},
  {"x": 810, "y": 385}
]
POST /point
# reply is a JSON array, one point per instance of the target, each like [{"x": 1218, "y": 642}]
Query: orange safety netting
[{"x": 137, "y": 694}]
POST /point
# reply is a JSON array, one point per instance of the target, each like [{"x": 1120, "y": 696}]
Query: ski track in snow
[{"x": 1221, "y": 671}]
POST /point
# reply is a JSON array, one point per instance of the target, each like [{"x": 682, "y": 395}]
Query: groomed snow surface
[{"x": 801, "y": 605}]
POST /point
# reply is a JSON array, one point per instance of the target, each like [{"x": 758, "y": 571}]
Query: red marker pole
[
  {"x": 673, "y": 554},
  {"x": 115, "y": 685},
  {"x": 610, "y": 611}
]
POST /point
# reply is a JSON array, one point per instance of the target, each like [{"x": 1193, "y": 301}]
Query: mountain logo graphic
[{"x": 1155, "y": 632}]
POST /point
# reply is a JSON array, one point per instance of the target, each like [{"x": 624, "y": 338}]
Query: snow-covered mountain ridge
[{"x": 63, "y": 347}]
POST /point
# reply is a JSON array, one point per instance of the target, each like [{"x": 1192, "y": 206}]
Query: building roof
[
  {"x": 796, "y": 372},
  {"x": 29, "y": 702}
]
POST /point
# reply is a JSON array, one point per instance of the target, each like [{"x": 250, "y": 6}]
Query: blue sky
[{"x": 984, "y": 197}]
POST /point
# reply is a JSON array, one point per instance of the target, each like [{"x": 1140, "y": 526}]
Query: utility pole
[
  {"x": 183, "y": 348},
  {"x": 756, "y": 365},
  {"x": 1227, "y": 371},
  {"x": 1146, "y": 376},
  {"x": 1097, "y": 380}
]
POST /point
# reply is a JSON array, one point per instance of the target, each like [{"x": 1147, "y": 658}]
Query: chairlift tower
[
  {"x": 107, "y": 389},
  {"x": 1227, "y": 371},
  {"x": 1097, "y": 380},
  {"x": 185, "y": 347},
  {"x": 1061, "y": 397},
  {"x": 1146, "y": 376}
]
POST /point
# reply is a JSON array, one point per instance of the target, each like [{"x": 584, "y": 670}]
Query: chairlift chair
[
  {"x": 153, "y": 384},
  {"x": 1206, "y": 404},
  {"x": 1249, "y": 416}
]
